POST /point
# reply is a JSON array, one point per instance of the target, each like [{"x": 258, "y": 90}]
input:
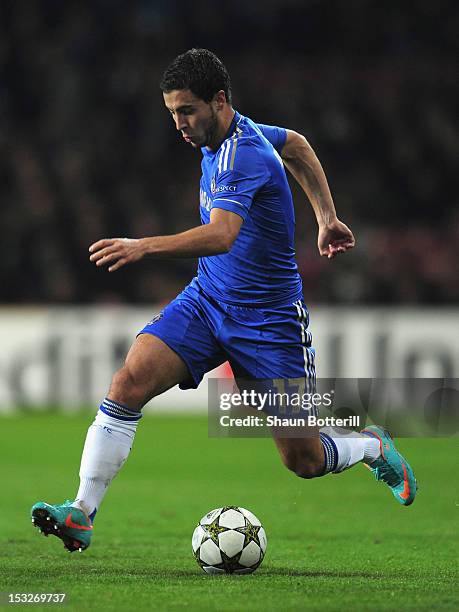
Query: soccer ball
[{"x": 229, "y": 540}]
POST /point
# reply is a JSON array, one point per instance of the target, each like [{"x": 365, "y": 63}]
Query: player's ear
[{"x": 220, "y": 99}]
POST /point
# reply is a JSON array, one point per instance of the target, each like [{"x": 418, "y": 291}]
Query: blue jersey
[{"x": 246, "y": 176}]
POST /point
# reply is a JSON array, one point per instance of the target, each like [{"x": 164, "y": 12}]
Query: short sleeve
[
  {"x": 241, "y": 174},
  {"x": 276, "y": 135}
]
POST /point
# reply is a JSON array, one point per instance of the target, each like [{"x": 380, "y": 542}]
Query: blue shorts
[{"x": 259, "y": 343}]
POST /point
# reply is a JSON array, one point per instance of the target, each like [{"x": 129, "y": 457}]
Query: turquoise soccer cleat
[
  {"x": 392, "y": 468},
  {"x": 64, "y": 521}
]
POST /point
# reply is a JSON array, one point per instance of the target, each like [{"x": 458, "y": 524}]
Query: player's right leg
[
  {"x": 175, "y": 347},
  {"x": 150, "y": 368}
]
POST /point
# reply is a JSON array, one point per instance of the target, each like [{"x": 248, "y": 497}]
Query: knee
[
  {"x": 127, "y": 389},
  {"x": 123, "y": 379},
  {"x": 308, "y": 465}
]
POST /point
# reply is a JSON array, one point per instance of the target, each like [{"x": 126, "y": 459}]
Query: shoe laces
[{"x": 387, "y": 474}]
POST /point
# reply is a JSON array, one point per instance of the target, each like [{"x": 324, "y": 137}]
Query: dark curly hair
[{"x": 200, "y": 71}]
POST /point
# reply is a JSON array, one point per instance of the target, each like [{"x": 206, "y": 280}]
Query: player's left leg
[
  {"x": 275, "y": 344},
  {"x": 303, "y": 456},
  {"x": 318, "y": 453},
  {"x": 310, "y": 457}
]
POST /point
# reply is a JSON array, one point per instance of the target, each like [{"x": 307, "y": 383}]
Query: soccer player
[{"x": 245, "y": 305}]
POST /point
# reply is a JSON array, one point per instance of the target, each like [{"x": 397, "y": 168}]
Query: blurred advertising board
[{"x": 64, "y": 358}]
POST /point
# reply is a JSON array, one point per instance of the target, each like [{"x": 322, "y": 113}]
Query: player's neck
[{"x": 224, "y": 121}]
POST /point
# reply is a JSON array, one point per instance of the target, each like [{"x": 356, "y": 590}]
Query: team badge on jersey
[{"x": 213, "y": 185}]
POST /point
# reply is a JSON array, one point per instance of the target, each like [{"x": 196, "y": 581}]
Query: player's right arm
[{"x": 213, "y": 238}]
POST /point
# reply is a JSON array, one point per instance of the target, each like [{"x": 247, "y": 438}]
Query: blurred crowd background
[{"x": 87, "y": 149}]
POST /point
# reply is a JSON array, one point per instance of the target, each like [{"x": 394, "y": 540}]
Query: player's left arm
[
  {"x": 214, "y": 238},
  {"x": 301, "y": 161}
]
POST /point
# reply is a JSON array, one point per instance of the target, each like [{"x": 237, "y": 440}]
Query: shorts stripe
[
  {"x": 310, "y": 352},
  {"x": 306, "y": 341},
  {"x": 303, "y": 338}
]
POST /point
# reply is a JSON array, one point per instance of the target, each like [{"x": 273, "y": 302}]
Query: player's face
[{"x": 194, "y": 118}]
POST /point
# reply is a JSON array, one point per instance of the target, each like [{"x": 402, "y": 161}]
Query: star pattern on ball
[
  {"x": 251, "y": 533},
  {"x": 235, "y": 547},
  {"x": 214, "y": 529}
]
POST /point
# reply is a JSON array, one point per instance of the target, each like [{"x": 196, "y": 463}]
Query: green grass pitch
[{"x": 335, "y": 543}]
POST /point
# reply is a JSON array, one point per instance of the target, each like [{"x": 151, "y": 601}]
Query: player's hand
[
  {"x": 334, "y": 238},
  {"x": 116, "y": 252}
]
